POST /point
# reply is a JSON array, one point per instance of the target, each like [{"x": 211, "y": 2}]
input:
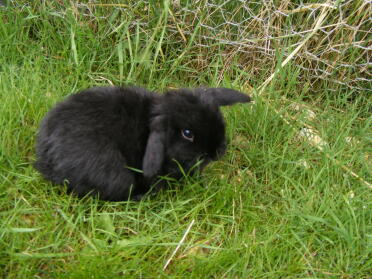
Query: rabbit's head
[{"x": 186, "y": 128}]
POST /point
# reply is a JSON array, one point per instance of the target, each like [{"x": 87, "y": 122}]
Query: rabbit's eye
[{"x": 187, "y": 134}]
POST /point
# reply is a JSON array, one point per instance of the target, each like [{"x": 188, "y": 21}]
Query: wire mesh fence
[
  {"x": 254, "y": 33},
  {"x": 251, "y": 35}
]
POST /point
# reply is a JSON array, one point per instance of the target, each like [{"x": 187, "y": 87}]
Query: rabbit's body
[{"x": 96, "y": 139}]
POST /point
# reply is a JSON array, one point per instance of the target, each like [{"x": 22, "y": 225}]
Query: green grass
[{"x": 275, "y": 206}]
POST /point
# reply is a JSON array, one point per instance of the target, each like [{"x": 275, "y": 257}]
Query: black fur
[{"x": 96, "y": 139}]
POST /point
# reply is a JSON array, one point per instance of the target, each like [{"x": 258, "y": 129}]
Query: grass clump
[{"x": 290, "y": 199}]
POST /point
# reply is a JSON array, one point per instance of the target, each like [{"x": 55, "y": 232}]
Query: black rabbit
[{"x": 98, "y": 140}]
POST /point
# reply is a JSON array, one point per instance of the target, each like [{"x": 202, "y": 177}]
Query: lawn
[{"x": 291, "y": 198}]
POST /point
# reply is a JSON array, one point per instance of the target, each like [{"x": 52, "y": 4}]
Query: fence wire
[{"x": 251, "y": 35}]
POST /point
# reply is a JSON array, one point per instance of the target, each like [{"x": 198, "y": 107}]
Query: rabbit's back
[{"x": 92, "y": 136}]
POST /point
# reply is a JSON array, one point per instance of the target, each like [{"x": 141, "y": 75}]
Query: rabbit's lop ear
[
  {"x": 223, "y": 96},
  {"x": 154, "y": 154}
]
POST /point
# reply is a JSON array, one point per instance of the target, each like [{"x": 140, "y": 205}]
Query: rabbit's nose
[
  {"x": 204, "y": 160},
  {"x": 221, "y": 149}
]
